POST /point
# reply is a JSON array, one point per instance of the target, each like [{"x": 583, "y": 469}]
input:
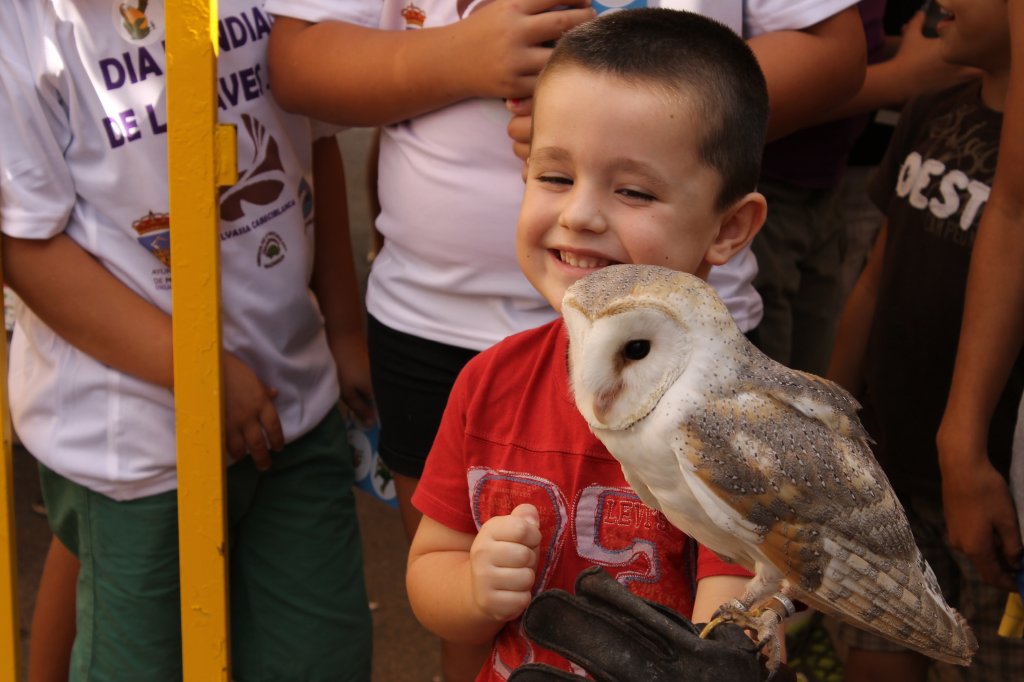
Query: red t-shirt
[{"x": 511, "y": 434}]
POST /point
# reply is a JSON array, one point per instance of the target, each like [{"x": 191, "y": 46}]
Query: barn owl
[{"x": 766, "y": 466}]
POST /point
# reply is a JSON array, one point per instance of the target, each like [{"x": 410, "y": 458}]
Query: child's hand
[
  {"x": 503, "y": 559},
  {"x": 520, "y": 127},
  {"x": 921, "y": 66},
  {"x": 251, "y": 424},
  {"x": 506, "y": 37},
  {"x": 353, "y": 363}
]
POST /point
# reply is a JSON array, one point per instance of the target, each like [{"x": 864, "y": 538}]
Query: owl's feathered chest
[{"x": 661, "y": 461}]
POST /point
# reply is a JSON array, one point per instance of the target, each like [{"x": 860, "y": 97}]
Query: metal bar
[
  {"x": 193, "y": 150},
  {"x": 10, "y": 642}
]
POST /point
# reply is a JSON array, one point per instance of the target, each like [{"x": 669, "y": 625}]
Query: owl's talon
[
  {"x": 726, "y": 613},
  {"x": 711, "y": 625},
  {"x": 762, "y": 620}
]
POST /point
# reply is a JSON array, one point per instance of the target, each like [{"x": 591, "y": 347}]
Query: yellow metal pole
[
  {"x": 199, "y": 159},
  {"x": 10, "y": 645}
]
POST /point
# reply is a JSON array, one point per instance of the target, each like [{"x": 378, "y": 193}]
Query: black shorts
[{"x": 412, "y": 378}]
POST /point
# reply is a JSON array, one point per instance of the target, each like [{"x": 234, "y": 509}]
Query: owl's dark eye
[{"x": 637, "y": 349}]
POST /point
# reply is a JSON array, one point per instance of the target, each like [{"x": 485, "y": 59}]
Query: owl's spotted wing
[
  {"x": 790, "y": 457},
  {"x": 810, "y": 395}
]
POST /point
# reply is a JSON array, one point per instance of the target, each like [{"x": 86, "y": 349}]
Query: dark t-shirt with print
[{"x": 932, "y": 185}]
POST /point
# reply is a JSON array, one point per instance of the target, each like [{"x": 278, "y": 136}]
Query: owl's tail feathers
[
  {"x": 902, "y": 603},
  {"x": 951, "y": 641},
  {"x": 964, "y": 646},
  {"x": 955, "y": 641}
]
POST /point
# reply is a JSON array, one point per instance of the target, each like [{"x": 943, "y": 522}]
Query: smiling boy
[
  {"x": 622, "y": 183},
  {"x": 649, "y": 126}
]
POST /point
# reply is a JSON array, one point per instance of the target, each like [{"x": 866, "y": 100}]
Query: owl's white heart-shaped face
[
  {"x": 633, "y": 331},
  {"x": 622, "y": 363}
]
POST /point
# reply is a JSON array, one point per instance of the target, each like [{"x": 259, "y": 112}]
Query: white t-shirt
[
  {"x": 450, "y": 187},
  {"x": 83, "y": 151}
]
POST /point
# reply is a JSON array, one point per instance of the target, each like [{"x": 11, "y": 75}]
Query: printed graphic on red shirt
[{"x": 605, "y": 526}]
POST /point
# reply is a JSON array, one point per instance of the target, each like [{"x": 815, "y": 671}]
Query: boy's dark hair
[{"x": 680, "y": 52}]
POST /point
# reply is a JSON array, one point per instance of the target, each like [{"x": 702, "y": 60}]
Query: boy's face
[
  {"x": 613, "y": 177},
  {"x": 976, "y": 33}
]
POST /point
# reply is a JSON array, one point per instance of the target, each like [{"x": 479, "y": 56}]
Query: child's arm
[
  {"x": 465, "y": 587},
  {"x": 830, "y": 69},
  {"x": 714, "y": 591},
  {"x": 846, "y": 367},
  {"x": 335, "y": 283},
  {"x": 979, "y": 510},
  {"x": 96, "y": 313},
  {"x": 801, "y": 91},
  {"x": 916, "y": 67},
  {"x": 352, "y": 75},
  {"x": 77, "y": 298}
]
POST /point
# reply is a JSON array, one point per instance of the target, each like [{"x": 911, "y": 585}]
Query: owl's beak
[{"x": 604, "y": 400}]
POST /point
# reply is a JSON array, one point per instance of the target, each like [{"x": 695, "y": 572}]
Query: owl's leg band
[{"x": 781, "y": 604}]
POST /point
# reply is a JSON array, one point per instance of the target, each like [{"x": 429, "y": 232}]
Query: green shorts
[{"x": 299, "y": 609}]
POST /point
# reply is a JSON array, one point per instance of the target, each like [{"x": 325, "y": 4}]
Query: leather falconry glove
[{"x": 618, "y": 637}]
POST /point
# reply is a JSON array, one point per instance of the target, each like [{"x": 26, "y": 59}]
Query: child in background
[
  {"x": 803, "y": 249},
  {"x": 649, "y": 126},
  {"x": 911, "y": 65},
  {"x": 86, "y": 231},
  {"x": 899, "y": 330},
  {"x": 979, "y": 507}
]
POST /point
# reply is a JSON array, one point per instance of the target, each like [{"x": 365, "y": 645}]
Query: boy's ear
[{"x": 740, "y": 223}]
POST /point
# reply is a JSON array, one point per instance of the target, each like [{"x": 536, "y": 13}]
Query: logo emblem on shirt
[
  {"x": 154, "y": 233},
  {"x": 134, "y": 20},
  {"x": 414, "y": 17},
  {"x": 272, "y": 250},
  {"x": 262, "y": 182}
]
